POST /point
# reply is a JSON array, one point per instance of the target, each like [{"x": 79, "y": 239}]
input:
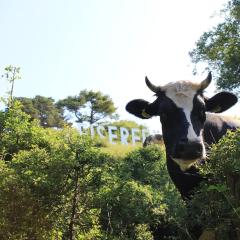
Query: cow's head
[{"x": 182, "y": 109}]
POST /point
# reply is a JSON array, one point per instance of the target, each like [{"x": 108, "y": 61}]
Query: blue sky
[{"x": 64, "y": 47}]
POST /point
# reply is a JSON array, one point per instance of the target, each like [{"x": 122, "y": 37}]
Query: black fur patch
[
  {"x": 137, "y": 106},
  {"x": 220, "y": 102},
  {"x": 198, "y": 115}
]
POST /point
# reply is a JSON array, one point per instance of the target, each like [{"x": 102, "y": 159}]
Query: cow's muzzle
[{"x": 188, "y": 150}]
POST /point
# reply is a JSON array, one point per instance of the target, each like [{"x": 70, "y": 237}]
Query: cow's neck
[{"x": 184, "y": 181}]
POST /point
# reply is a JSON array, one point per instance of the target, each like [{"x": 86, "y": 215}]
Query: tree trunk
[
  {"x": 70, "y": 234},
  {"x": 74, "y": 207}
]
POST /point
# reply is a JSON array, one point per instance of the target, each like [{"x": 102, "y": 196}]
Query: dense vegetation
[
  {"x": 220, "y": 48},
  {"x": 216, "y": 205},
  {"x": 55, "y": 184}
]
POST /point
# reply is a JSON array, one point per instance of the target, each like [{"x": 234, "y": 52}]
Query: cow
[
  {"x": 153, "y": 139},
  {"x": 190, "y": 123}
]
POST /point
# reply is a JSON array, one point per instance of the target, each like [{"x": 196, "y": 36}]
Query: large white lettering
[
  {"x": 111, "y": 134},
  {"x": 114, "y": 134},
  {"x": 82, "y": 127},
  {"x": 135, "y": 137},
  {"x": 92, "y": 130},
  {"x": 100, "y": 130},
  {"x": 124, "y": 133}
]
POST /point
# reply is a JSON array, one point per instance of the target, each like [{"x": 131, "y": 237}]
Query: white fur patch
[
  {"x": 182, "y": 94},
  {"x": 184, "y": 164}
]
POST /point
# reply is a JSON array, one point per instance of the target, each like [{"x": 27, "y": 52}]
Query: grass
[{"x": 118, "y": 149}]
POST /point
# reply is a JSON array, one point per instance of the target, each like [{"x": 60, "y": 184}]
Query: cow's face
[{"x": 182, "y": 110}]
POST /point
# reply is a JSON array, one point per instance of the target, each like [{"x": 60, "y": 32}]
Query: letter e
[{"x": 111, "y": 134}]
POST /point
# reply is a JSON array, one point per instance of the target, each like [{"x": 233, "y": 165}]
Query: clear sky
[{"x": 65, "y": 46}]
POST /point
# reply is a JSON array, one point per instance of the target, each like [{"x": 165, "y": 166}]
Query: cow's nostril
[{"x": 188, "y": 150}]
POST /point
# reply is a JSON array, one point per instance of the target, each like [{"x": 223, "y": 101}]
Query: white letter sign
[
  {"x": 134, "y": 136},
  {"x": 111, "y": 134},
  {"x": 124, "y": 135}
]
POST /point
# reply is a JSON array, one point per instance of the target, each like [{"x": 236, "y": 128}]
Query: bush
[
  {"x": 21, "y": 214},
  {"x": 58, "y": 184},
  {"x": 216, "y": 205},
  {"x": 139, "y": 193}
]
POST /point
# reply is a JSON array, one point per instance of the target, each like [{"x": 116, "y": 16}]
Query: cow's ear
[
  {"x": 141, "y": 108},
  {"x": 220, "y": 102}
]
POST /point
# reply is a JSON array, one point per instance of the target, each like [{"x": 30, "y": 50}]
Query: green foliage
[
  {"x": 16, "y": 131},
  {"x": 142, "y": 232},
  {"x": 139, "y": 193},
  {"x": 220, "y": 48},
  {"x": 56, "y": 184},
  {"x": 11, "y": 74},
  {"x": 144, "y": 166},
  {"x": 21, "y": 215},
  {"x": 118, "y": 150},
  {"x": 50, "y": 167},
  {"x": 44, "y": 110},
  {"x": 89, "y": 106},
  {"x": 228, "y": 150},
  {"x": 127, "y": 124},
  {"x": 217, "y": 203},
  {"x": 61, "y": 186}
]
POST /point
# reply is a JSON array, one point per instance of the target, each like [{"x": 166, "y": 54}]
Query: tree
[
  {"x": 21, "y": 214},
  {"x": 220, "y": 48},
  {"x": 47, "y": 179},
  {"x": 43, "y": 109},
  {"x": 55, "y": 184},
  {"x": 11, "y": 74},
  {"x": 137, "y": 193},
  {"x": 89, "y": 106}
]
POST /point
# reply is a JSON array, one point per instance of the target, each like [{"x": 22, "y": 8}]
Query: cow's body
[
  {"x": 153, "y": 139},
  {"x": 215, "y": 127},
  {"x": 190, "y": 123}
]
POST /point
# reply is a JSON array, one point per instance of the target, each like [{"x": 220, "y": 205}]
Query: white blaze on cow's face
[{"x": 182, "y": 94}]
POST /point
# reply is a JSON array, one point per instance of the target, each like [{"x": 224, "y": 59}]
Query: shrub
[
  {"x": 216, "y": 205},
  {"x": 58, "y": 184},
  {"x": 140, "y": 193}
]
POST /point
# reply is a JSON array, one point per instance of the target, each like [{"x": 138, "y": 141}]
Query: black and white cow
[
  {"x": 153, "y": 139},
  {"x": 190, "y": 122}
]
